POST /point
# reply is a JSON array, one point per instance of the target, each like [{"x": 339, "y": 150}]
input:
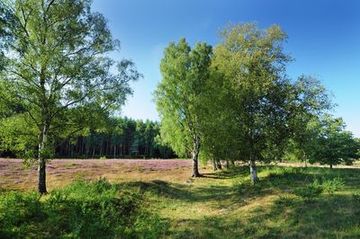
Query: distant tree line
[
  {"x": 119, "y": 138},
  {"x": 122, "y": 138}
]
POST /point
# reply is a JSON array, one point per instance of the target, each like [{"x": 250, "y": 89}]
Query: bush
[
  {"x": 356, "y": 197},
  {"x": 16, "y": 210},
  {"x": 309, "y": 192},
  {"x": 332, "y": 185},
  {"x": 81, "y": 210},
  {"x": 314, "y": 189}
]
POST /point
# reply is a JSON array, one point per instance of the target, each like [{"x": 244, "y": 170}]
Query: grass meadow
[{"x": 162, "y": 201}]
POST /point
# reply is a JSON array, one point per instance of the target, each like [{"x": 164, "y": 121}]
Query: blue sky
[{"x": 324, "y": 39}]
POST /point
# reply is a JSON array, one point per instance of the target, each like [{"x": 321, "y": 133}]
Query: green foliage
[
  {"x": 310, "y": 191},
  {"x": 81, "y": 210},
  {"x": 251, "y": 104},
  {"x": 58, "y": 71},
  {"x": 332, "y": 185},
  {"x": 324, "y": 184},
  {"x": 356, "y": 197},
  {"x": 249, "y": 108},
  {"x": 253, "y": 96},
  {"x": 310, "y": 102},
  {"x": 16, "y": 209},
  {"x": 17, "y": 136},
  {"x": 185, "y": 73},
  {"x": 334, "y": 144}
]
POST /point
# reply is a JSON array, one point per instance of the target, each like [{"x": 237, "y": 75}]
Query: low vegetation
[
  {"x": 287, "y": 202},
  {"x": 81, "y": 210}
]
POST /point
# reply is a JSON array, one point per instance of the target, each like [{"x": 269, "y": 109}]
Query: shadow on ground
[
  {"x": 284, "y": 215},
  {"x": 327, "y": 217}
]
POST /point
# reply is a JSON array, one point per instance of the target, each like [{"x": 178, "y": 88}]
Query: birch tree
[
  {"x": 58, "y": 69},
  {"x": 252, "y": 62},
  {"x": 185, "y": 72}
]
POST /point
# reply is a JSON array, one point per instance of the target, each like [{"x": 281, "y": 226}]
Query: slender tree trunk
[
  {"x": 114, "y": 151},
  {"x": 252, "y": 164},
  {"x": 83, "y": 146},
  {"x": 218, "y": 164},
  {"x": 253, "y": 171},
  {"x": 195, "y": 172},
  {"x": 101, "y": 148},
  {"x": 227, "y": 164},
  {"x": 331, "y": 166},
  {"x": 42, "y": 161},
  {"x": 195, "y": 157},
  {"x": 42, "y": 176},
  {"x": 214, "y": 165},
  {"x": 305, "y": 159},
  {"x": 44, "y": 132},
  {"x": 87, "y": 147}
]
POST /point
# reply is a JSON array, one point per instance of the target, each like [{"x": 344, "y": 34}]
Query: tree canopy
[
  {"x": 237, "y": 101},
  {"x": 334, "y": 144},
  {"x": 58, "y": 70},
  {"x": 179, "y": 95}
]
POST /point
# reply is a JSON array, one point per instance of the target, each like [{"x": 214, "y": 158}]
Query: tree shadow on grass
[
  {"x": 288, "y": 216},
  {"x": 240, "y": 190},
  {"x": 230, "y": 173},
  {"x": 159, "y": 188},
  {"x": 336, "y": 216},
  {"x": 329, "y": 216},
  {"x": 186, "y": 193}
]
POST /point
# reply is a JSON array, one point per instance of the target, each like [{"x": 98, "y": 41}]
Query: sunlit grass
[{"x": 225, "y": 204}]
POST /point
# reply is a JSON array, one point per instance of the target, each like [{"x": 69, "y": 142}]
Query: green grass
[
  {"x": 226, "y": 205},
  {"x": 286, "y": 203},
  {"x": 83, "y": 209}
]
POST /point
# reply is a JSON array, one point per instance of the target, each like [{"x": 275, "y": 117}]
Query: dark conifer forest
[{"x": 131, "y": 139}]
